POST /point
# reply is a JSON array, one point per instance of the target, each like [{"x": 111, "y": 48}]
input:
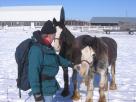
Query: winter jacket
[{"x": 47, "y": 65}]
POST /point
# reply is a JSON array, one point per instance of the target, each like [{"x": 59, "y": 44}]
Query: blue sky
[{"x": 84, "y": 9}]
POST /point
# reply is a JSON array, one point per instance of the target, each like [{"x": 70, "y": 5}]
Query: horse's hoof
[
  {"x": 76, "y": 96},
  {"x": 65, "y": 93},
  {"x": 102, "y": 99},
  {"x": 113, "y": 87},
  {"x": 89, "y": 100}
]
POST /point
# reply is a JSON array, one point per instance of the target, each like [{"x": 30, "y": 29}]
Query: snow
[{"x": 125, "y": 69}]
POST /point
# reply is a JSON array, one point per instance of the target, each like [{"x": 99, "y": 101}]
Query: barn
[
  {"x": 109, "y": 24},
  {"x": 29, "y": 15},
  {"x": 112, "y": 21}
]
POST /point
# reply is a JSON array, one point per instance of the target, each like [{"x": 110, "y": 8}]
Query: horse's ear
[
  {"x": 54, "y": 21},
  {"x": 62, "y": 21}
]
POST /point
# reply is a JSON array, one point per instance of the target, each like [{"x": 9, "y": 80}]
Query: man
[{"x": 44, "y": 68}]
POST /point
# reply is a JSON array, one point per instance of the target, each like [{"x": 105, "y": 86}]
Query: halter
[
  {"x": 87, "y": 62},
  {"x": 90, "y": 65}
]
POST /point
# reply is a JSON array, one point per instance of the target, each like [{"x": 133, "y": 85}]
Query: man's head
[{"x": 48, "y": 32}]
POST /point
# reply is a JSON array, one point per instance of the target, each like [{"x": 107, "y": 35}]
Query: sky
[{"x": 84, "y": 9}]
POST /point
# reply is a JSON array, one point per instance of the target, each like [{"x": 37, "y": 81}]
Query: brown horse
[
  {"x": 72, "y": 49},
  {"x": 80, "y": 51}
]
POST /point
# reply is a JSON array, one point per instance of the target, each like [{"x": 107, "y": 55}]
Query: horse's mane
[
  {"x": 99, "y": 47},
  {"x": 67, "y": 36},
  {"x": 66, "y": 41}
]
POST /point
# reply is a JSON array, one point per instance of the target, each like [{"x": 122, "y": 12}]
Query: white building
[{"x": 29, "y": 15}]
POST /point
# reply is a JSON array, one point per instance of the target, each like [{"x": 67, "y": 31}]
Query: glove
[{"x": 38, "y": 97}]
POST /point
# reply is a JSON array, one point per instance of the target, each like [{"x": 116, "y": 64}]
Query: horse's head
[
  {"x": 63, "y": 35},
  {"x": 59, "y": 28},
  {"x": 87, "y": 59}
]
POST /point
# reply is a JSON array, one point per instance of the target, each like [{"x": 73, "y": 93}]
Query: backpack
[{"x": 21, "y": 57}]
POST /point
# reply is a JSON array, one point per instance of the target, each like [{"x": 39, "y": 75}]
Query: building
[
  {"x": 29, "y": 15},
  {"x": 114, "y": 23},
  {"x": 111, "y": 21},
  {"x": 76, "y": 23}
]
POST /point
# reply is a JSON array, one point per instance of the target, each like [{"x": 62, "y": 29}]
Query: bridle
[
  {"x": 87, "y": 62},
  {"x": 91, "y": 65}
]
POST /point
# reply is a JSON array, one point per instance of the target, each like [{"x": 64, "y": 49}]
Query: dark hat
[{"x": 48, "y": 28}]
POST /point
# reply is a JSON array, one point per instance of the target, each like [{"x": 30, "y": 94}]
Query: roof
[
  {"x": 31, "y": 13},
  {"x": 113, "y": 19}
]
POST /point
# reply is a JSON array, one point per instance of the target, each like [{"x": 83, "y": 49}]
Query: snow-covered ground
[{"x": 125, "y": 70}]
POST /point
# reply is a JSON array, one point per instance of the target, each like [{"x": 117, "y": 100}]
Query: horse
[
  {"x": 72, "y": 49},
  {"x": 86, "y": 60},
  {"x": 105, "y": 49}
]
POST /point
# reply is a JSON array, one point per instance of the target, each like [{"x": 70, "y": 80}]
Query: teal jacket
[{"x": 50, "y": 64}]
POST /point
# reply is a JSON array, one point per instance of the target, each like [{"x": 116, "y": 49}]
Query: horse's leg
[
  {"x": 106, "y": 84},
  {"x": 76, "y": 94},
  {"x": 113, "y": 84},
  {"x": 102, "y": 84},
  {"x": 86, "y": 80},
  {"x": 89, "y": 97},
  {"x": 65, "y": 92}
]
